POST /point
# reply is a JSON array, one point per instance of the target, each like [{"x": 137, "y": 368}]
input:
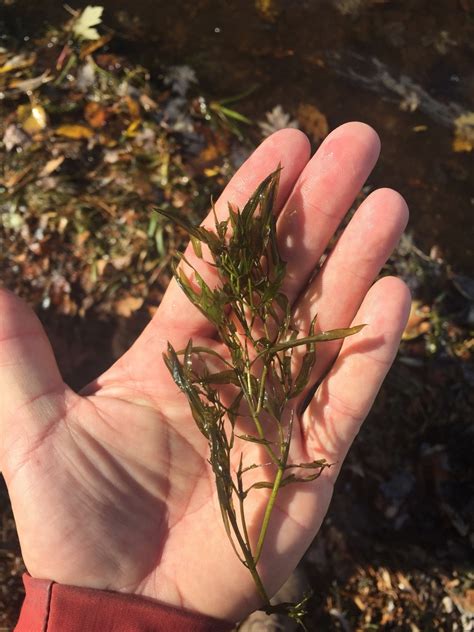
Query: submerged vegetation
[
  {"x": 253, "y": 320},
  {"x": 91, "y": 143}
]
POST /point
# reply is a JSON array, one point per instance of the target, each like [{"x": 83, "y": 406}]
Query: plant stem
[
  {"x": 249, "y": 559},
  {"x": 268, "y": 513}
]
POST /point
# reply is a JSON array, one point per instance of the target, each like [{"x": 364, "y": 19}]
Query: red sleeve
[{"x": 51, "y": 607}]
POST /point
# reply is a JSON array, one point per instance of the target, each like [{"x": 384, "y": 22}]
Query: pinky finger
[{"x": 334, "y": 416}]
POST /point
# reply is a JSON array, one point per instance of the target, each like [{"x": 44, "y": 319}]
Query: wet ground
[{"x": 405, "y": 68}]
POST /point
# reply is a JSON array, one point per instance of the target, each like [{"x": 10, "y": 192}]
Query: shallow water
[{"x": 404, "y": 68}]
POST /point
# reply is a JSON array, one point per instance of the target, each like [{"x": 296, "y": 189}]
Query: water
[{"x": 404, "y": 68}]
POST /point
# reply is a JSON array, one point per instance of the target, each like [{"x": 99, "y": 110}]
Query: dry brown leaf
[
  {"x": 210, "y": 153},
  {"x": 461, "y": 144},
  {"x": 120, "y": 263},
  {"x": 95, "y": 114},
  {"x": 147, "y": 103},
  {"x": 90, "y": 47},
  {"x": 82, "y": 237},
  {"x": 133, "y": 107},
  {"x": 126, "y": 306},
  {"x": 268, "y": 9},
  {"x": 11, "y": 179},
  {"x": 51, "y": 166},
  {"x": 17, "y": 63},
  {"x": 464, "y": 132},
  {"x": 76, "y": 132},
  {"x": 28, "y": 85},
  {"x": 313, "y": 122},
  {"x": 417, "y": 321}
]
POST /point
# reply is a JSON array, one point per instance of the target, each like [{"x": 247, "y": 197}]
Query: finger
[
  {"x": 289, "y": 147},
  {"x": 321, "y": 197},
  {"x": 32, "y": 392},
  {"x": 338, "y": 290},
  {"x": 340, "y": 405}
]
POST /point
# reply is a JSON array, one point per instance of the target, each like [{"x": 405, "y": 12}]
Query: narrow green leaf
[
  {"x": 324, "y": 336},
  {"x": 261, "y": 485},
  {"x": 196, "y": 246},
  {"x": 223, "y": 377},
  {"x": 233, "y": 114},
  {"x": 253, "y": 439}
]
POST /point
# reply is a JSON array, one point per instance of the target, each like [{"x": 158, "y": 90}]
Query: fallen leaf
[
  {"x": 147, "y": 103},
  {"x": 14, "y": 137},
  {"x": 33, "y": 118},
  {"x": 100, "y": 266},
  {"x": 85, "y": 23},
  {"x": 82, "y": 237},
  {"x": 210, "y": 173},
  {"x": 132, "y": 128},
  {"x": 75, "y": 132},
  {"x": 133, "y": 107},
  {"x": 120, "y": 263},
  {"x": 95, "y": 114},
  {"x": 28, "y": 85},
  {"x": 417, "y": 321},
  {"x": 11, "y": 179},
  {"x": 90, "y": 47},
  {"x": 51, "y": 166},
  {"x": 313, "y": 122},
  {"x": 268, "y": 9},
  {"x": 461, "y": 144},
  {"x": 111, "y": 156},
  {"x": 464, "y": 132},
  {"x": 17, "y": 63},
  {"x": 126, "y": 306},
  {"x": 276, "y": 119}
]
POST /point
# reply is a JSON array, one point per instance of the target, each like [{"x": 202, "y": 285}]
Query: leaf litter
[{"x": 91, "y": 143}]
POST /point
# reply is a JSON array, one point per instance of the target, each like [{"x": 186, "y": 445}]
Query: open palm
[{"x": 111, "y": 488}]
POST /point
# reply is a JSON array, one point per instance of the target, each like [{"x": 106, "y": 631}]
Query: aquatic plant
[{"x": 244, "y": 397}]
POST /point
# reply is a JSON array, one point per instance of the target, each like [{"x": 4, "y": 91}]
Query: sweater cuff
[{"x": 51, "y": 607}]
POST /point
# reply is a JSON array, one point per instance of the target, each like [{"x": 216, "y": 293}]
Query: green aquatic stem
[
  {"x": 267, "y": 515},
  {"x": 257, "y": 366}
]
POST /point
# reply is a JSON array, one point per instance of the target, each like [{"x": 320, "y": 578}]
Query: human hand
[{"x": 111, "y": 488}]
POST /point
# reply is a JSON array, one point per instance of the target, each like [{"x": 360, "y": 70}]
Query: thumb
[{"x": 32, "y": 392}]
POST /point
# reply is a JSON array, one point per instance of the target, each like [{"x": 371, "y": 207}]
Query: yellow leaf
[
  {"x": 132, "y": 128},
  {"x": 464, "y": 132},
  {"x": 33, "y": 118},
  {"x": 16, "y": 63},
  {"x": 461, "y": 144},
  {"x": 211, "y": 172},
  {"x": 75, "y": 132},
  {"x": 83, "y": 26}
]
